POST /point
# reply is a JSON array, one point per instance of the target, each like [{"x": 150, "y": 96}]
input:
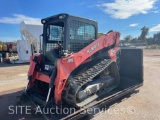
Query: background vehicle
[{"x": 29, "y": 44}]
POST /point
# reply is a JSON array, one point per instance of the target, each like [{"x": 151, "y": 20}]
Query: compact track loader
[{"x": 78, "y": 69}]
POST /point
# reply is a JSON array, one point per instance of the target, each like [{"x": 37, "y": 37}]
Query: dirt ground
[
  {"x": 13, "y": 71},
  {"x": 13, "y": 76},
  {"x": 144, "y": 105}
]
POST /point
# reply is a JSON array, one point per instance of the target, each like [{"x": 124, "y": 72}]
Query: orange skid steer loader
[{"x": 77, "y": 69}]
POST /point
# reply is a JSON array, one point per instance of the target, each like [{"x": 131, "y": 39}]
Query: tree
[
  {"x": 134, "y": 40},
  {"x": 143, "y": 37},
  {"x": 150, "y": 41},
  {"x": 156, "y": 38},
  {"x": 128, "y": 38},
  {"x": 144, "y": 33}
]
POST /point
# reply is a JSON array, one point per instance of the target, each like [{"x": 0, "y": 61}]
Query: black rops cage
[{"x": 71, "y": 32}]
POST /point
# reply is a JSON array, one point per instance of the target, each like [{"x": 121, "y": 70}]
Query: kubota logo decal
[{"x": 93, "y": 48}]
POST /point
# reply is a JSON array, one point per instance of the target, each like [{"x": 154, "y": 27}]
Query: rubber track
[{"x": 74, "y": 83}]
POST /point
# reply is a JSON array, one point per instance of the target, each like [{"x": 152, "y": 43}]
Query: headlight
[
  {"x": 43, "y": 21},
  {"x": 62, "y": 16}
]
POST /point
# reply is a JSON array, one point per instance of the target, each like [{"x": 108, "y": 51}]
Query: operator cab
[{"x": 64, "y": 34}]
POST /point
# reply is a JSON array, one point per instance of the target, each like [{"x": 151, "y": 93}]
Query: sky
[{"x": 124, "y": 16}]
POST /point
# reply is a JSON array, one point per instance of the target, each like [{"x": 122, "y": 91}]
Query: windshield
[
  {"x": 54, "y": 37},
  {"x": 55, "y": 32}
]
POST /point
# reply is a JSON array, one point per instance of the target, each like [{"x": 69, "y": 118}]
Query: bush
[
  {"x": 152, "y": 47},
  {"x": 158, "y": 47},
  {"x": 147, "y": 47}
]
